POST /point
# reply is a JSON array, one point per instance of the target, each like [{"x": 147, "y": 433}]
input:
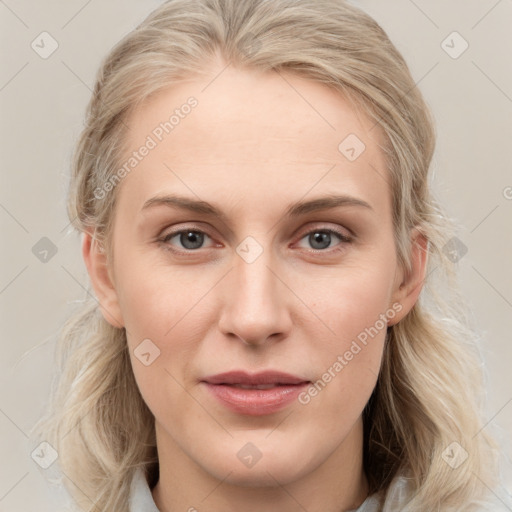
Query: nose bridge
[{"x": 255, "y": 307}]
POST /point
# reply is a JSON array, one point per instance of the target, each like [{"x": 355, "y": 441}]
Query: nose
[{"x": 256, "y": 302}]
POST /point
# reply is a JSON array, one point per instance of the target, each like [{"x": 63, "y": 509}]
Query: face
[{"x": 247, "y": 238}]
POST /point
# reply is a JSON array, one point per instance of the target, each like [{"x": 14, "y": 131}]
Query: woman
[{"x": 275, "y": 324}]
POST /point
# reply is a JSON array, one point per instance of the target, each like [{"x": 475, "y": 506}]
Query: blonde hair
[{"x": 429, "y": 390}]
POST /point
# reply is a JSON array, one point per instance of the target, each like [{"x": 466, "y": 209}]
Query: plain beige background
[{"x": 42, "y": 104}]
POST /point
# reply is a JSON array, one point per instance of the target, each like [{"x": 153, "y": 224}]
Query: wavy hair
[{"x": 429, "y": 392}]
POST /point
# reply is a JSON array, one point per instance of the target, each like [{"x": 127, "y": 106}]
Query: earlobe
[
  {"x": 411, "y": 284},
  {"x": 95, "y": 260}
]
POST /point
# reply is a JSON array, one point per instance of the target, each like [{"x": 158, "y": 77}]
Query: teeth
[{"x": 259, "y": 386}]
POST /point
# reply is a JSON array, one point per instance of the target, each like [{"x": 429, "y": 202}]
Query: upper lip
[{"x": 254, "y": 379}]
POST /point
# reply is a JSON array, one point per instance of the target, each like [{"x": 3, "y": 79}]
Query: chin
[
  {"x": 252, "y": 467},
  {"x": 269, "y": 475}
]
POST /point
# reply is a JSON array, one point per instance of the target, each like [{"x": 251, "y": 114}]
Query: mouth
[
  {"x": 268, "y": 378},
  {"x": 258, "y": 386},
  {"x": 255, "y": 394}
]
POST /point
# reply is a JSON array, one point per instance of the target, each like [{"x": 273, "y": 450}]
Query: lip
[
  {"x": 248, "y": 379},
  {"x": 255, "y": 402}
]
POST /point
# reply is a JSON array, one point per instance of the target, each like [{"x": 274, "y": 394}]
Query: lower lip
[{"x": 255, "y": 402}]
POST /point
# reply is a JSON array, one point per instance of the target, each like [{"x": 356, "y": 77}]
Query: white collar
[{"x": 141, "y": 499}]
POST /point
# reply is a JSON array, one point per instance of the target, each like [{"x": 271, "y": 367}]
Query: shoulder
[{"x": 401, "y": 489}]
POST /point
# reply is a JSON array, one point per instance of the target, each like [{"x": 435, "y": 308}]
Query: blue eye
[
  {"x": 320, "y": 239},
  {"x": 194, "y": 239},
  {"x": 190, "y": 239}
]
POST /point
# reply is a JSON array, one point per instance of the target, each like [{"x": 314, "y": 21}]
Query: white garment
[{"x": 141, "y": 499}]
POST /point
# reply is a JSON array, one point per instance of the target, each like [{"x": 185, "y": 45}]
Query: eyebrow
[{"x": 295, "y": 210}]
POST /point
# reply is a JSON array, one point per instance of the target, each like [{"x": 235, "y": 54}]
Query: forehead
[{"x": 262, "y": 133}]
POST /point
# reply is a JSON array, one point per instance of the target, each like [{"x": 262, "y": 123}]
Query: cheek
[
  {"x": 348, "y": 356},
  {"x": 347, "y": 364},
  {"x": 160, "y": 309},
  {"x": 161, "y": 316},
  {"x": 155, "y": 299},
  {"x": 350, "y": 301}
]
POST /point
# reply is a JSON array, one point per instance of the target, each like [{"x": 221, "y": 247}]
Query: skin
[{"x": 252, "y": 147}]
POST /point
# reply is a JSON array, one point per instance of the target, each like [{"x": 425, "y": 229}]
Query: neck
[{"x": 337, "y": 484}]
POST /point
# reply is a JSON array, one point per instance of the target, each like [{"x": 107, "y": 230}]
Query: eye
[
  {"x": 321, "y": 239},
  {"x": 190, "y": 239}
]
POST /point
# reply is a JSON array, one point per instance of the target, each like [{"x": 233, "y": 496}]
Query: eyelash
[{"x": 344, "y": 239}]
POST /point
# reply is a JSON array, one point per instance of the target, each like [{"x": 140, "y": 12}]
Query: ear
[
  {"x": 409, "y": 285},
  {"x": 95, "y": 260}
]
